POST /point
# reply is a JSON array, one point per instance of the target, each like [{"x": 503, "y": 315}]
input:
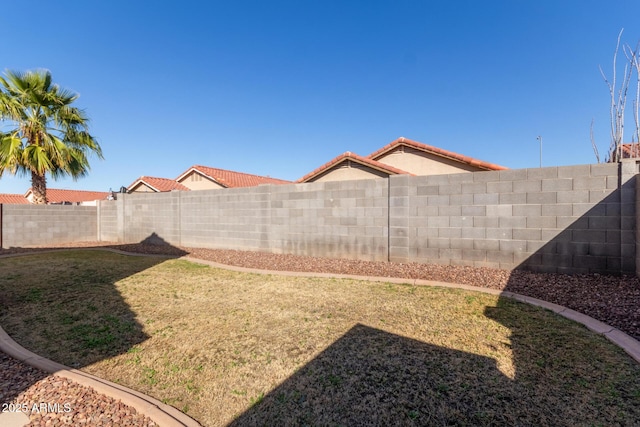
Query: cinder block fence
[
  {"x": 31, "y": 225},
  {"x": 574, "y": 219}
]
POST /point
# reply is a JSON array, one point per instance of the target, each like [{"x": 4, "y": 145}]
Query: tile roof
[
  {"x": 13, "y": 199},
  {"x": 631, "y": 150},
  {"x": 231, "y": 179},
  {"x": 436, "y": 151},
  {"x": 56, "y": 195},
  {"x": 356, "y": 158},
  {"x": 158, "y": 184}
]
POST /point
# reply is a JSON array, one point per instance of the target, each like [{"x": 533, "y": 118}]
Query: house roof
[
  {"x": 231, "y": 179},
  {"x": 13, "y": 199},
  {"x": 435, "y": 151},
  {"x": 631, "y": 150},
  {"x": 355, "y": 158},
  {"x": 157, "y": 184},
  {"x": 56, "y": 195}
]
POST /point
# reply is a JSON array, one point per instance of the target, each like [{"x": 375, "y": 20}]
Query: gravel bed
[
  {"x": 50, "y": 400},
  {"x": 614, "y": 300}
]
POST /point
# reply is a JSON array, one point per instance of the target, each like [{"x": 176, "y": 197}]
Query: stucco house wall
[
  {"x": 349, "y": 170},
  {"x": 142, "y": 188},
  {"x": 196, "y": 181},
  {"x": 420, "y": 163}
]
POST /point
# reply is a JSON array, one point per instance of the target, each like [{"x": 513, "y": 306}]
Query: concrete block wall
[
  {"x": 225, "y": 218},
  {"x": 333, "y": 219},
  {"x": 30, "y": 225},
  {"x": 339, "y": 219},
  {"x": 108, "y": 221},
  {"x": 149, "y": 217},
  {"x": 575, "y": 219},
  {"x": 637, "y": 230}
]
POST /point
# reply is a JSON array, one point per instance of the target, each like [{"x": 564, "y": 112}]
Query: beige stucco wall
[
  {"x": 142, "y": 188},
  {"x": 420, "y": 163},
  {"x": 195, "y": 181},
  {"x": 349, "y": 170}
]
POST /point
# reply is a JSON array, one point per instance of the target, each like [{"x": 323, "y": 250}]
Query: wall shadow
[
  {"x": 67, "y": 309},
  {"x": 601, "y": 240},
  {"x": 590, "y": 266}
]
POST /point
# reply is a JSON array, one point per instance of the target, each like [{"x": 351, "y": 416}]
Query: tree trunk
[{"x": 39, "y": 189}]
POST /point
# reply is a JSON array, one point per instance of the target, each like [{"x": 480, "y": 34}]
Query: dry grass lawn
[{"x": 246, "y": 349}]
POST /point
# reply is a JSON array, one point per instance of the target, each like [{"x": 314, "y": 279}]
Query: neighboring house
[
  {"x": 57, "y": 196},
  {"x": 350, "y": 166},
  {"x": 152, "y": 184},
  {"x": 13, "y": 199},
  {"x": 201, "y": 178},
  {"x": 631, "y": 150},
  {"x": 402, "y": 156}
]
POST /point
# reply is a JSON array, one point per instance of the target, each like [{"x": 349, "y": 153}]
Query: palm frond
[
  {"x": 50, "y": 135},
  {"x": 10, "y": 154},
  {"x": 37, "y": 159}
]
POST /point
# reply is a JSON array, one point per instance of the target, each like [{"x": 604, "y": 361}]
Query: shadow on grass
[
  {"x": 75, "y": 300},
  {"x": 372, "y": 377}
]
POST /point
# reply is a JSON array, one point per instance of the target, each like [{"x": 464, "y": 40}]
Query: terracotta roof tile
[
  {"x": 56, "y": 195},
  {"x": 356, "y": 158},
  {"x": 13, "y": 199},
  {"x": 232, "y": 179},
  {"x": 158, "y": 184},
  {"x": 436, "y": 151},
  {"x": 631, "y": 150}
]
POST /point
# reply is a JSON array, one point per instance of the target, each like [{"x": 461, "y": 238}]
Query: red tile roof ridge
[
  {"x": 359, "y": 159},
  {"x": 437, "y": 151}
]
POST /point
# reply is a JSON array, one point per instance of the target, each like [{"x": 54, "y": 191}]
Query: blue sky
[{"x": 280, "y": 87}]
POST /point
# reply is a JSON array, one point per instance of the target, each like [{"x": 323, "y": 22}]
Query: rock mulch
[
  {"x": 50, "y": 400},
  {"x": 611, "y": 299}
]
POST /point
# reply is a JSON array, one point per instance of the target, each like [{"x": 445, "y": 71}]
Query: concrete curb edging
[
  {"x": 160, "y": 413},
  {"x": 630, "y": 345}
]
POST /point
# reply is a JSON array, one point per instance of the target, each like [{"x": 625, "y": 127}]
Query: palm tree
[{"x": 46, "y": 134}]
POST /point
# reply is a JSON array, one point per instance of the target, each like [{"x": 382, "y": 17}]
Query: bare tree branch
[
  {"x": 593, "y": 143},
  {"x": 618, "y": 104},
  {"x": 632, "y": 57}
]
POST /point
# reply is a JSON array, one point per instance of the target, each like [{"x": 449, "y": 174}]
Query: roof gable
[
  {"x": 230, "y": 179},
  {"x": 156, "y": 184},
  {"x": 349, "y": 156},
  {"x": 376, "y": 155}
]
